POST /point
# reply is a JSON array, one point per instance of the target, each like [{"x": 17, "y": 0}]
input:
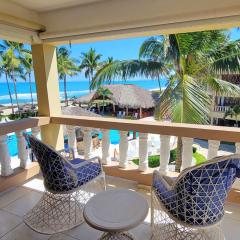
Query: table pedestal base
[{"x": 117, "y": 236}]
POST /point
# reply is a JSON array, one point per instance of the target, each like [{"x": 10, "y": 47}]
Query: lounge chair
[
  {"x": 69, "y": 185},
  {"x": 192, "y": 205}
]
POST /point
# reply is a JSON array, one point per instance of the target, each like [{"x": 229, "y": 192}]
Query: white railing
[
  {"x": 139, "y": 148},
  {"x": 153, "y": 138},
  {"x": 23, "y": 156},
  {"x": 221, "y": 108}
]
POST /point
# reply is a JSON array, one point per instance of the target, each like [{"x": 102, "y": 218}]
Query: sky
[{"x": 118, "y": 49}]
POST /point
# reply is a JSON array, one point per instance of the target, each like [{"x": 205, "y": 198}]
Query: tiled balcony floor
[{"x": 15, "y": 203}]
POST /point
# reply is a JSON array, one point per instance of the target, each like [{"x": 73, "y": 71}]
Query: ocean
[{"x": 74, "y": 89}]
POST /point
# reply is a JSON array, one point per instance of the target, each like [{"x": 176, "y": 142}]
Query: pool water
[
  {"x": 12, "y": 141},
  {"x": 114, "y": 136}
]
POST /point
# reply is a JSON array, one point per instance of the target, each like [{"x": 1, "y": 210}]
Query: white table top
[{"x": 116, "y": 210}]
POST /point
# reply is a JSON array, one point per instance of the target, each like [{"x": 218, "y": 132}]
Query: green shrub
[{"x": 154, "y": 161}]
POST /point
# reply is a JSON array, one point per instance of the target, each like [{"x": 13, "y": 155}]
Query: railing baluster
[
  {"x": 87, "y": 141},
  {"x": 106, "y": 158},
  {"x": 5, "y": 157},
  {"x": 36, "y": 132},
  {"x": 123, "y": 149},
  {"x": 72, "y": 141},
  {"x": 237, "y": 146},
  {"x": 143, "y": 151},
  {"x": 213, "y": 146},
  {"x": 187, "y": 158},
  {"x": 164, "y": 152},
  {"x": 22, "y": 150}
]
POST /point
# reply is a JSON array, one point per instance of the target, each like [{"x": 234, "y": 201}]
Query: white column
[
  {"x": 213, "y": 146},
  {"x": 164, "y": 152},
  {"x": 22, "y": 150},
  {"x": 106, "y": 158},
  {"x": 87, "y": 141},
  {"x": 187, "y": 158},
  {"x": 123, "y": 149},
  {"x": 72, "y": 141},
  {"x": 36, "y": 132},
  {"x": 237, "y": 146},
  {"x": 5, "y": 157},
  {"x": 143, "y": 151}
]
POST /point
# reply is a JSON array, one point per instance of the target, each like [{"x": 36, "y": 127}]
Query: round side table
[{"x": 115, "y": 212}]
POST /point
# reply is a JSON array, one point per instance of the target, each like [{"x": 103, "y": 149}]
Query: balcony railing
[
  {"x": 188, "y": 132},
  {"x": 221, "y": 108}
]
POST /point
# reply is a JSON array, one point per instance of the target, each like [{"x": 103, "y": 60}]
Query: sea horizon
[{"x": 74, "y": 89}]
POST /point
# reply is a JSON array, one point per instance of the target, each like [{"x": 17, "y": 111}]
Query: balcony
[{"x": 23, "y": 185}]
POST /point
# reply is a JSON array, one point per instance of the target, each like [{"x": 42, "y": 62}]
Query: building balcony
[{"x": 22, "y": 185}]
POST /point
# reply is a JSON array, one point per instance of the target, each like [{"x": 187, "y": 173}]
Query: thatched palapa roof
[
  {"x": 78, "y": 111},
  {"x": 125, "y": 95},
  {"x": 86, "y": 99}
]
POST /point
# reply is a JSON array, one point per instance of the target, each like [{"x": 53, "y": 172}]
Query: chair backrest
[
  {"x": 57, "y": 173},
  {"x": 201, "y": 191}
]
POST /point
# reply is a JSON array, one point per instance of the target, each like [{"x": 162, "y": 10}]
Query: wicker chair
[
  {"x": 191, "y": 206},
  {"x": 69, "y": 185}
]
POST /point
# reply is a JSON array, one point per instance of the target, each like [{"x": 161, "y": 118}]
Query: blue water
[
  {"x": 76, "y": 88},
  {"x": 12, "y": 141},
  {"x": 73, "y": 88}
]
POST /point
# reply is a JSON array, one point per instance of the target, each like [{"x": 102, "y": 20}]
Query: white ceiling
[{"x": 47, "y": 5}]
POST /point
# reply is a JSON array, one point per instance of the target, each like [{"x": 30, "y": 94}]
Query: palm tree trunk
[
  {"x": 89, "y": 82},
  {"x": 15, "y": 90},
  {"x": 9, "y": 92},
  {"x": 212, "y": 108},
  {"x": 65, "y": 90},
  {"x": 159, "y": 84},
  {"x": 30, "y": 87},
  {"x": 103, "y": 104},
  {"x": 179, "y": 155}
]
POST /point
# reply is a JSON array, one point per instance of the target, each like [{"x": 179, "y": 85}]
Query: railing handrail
[
  {"x": 13, "y": 126},
  {"x": 229, "y": 134}
]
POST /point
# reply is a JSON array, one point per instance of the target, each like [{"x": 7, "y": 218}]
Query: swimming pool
[{"x": 12, "y": 141}]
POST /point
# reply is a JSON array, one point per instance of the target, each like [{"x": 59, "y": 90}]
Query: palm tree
[
  {"x": 66, "y": 67},
  {"x": 104, "y": 92},
  {"x": 28, "y": 66},
  {"x": 192, "y": 63},
  {"x": 90, "y": 64},
  {"x": 14, "y": 52},
  {"x": 233, "y": 111},
  {"x": 4, "y": 69}
]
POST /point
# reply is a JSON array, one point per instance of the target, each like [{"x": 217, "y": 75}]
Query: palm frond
[{"x": 128, "y": 69}]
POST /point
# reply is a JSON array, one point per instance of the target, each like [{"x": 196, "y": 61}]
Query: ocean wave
[{"x": 28, "y": 95}]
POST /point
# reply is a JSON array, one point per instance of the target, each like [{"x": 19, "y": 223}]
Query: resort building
[
  {"x": 224, "y": 103},
  {"x": 54, "y": 195}
]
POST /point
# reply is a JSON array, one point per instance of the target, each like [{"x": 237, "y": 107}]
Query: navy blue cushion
[
  {"x": 199, "y": 195},
  {"x": 86, "y": 172}
]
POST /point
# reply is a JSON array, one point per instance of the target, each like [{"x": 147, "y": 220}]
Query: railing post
[
  {"x": 123, "y": 149},
  {"x": 5, "y": 157},
  {"x": 164, "y": 152},
  {"x": 187, "y": 157},
  {"x": 237, "y": 146},
  {"x": 22, "y": 150},
  {"x": 72, "y": 141},
  {"x": 87, "y": 141},
  {"x": 213, "y": 146},
  {"x": 36, "y": 132},
  {"x": 106, "y": 158},
  {"x": 143, "y": 151}
]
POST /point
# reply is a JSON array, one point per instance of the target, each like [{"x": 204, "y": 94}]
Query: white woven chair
[
  {"x": 69, "y": 185},
  {"x": 192, "y": 205}
]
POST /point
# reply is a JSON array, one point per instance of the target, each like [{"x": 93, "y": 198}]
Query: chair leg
[
  {"x": 60, "y": 212},
  {"x": 164, "y": 228}
]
